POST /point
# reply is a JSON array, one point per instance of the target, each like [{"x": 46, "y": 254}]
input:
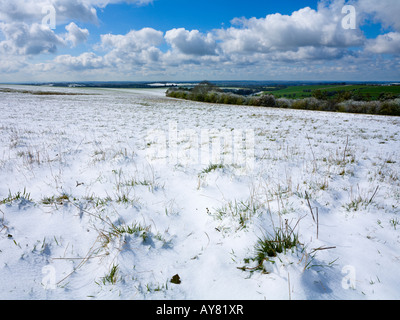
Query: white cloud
[
  {"x": 31, "y": 11},
  {"x": 23, "y": 39},
  {"x": 133, "y": 41},
  {"x": 387, "y": 43},
  {"x": 75, "y": 34},
  {"x": 281, "y": 33},
  {"x": 87, "y": 60},
  {"x": 11, "y": 64},
  {"x": 137, "y": 47},
  {"x": 385, "y": 12},
  {"x": 191, "y": 42},
  {"x": 308, "y": 54}
]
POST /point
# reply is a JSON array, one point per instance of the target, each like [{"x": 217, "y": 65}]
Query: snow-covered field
[{"x": 105, "y": 196}]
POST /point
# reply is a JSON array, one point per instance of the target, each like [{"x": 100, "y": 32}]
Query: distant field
[{"x": 296, "y": 92}]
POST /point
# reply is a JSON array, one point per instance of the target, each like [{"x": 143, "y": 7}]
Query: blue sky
[
  {"x": 172, "y": 40},
  {"x": 201, "y": 15},
  {"x": 204, "y": 15}
]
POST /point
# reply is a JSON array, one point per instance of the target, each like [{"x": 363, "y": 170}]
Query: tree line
[{"x": 208, "y": 92}]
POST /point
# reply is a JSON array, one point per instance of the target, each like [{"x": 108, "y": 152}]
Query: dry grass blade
[{"x": 309, "y": 206}]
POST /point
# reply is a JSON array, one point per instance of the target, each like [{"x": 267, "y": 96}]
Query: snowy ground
[{"x": 92, "y": 206}]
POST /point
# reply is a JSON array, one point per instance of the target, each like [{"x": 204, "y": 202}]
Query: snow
[{"x": 78, "y": 171}]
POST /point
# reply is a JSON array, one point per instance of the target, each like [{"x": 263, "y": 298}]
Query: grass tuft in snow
[
  {"x": 19, "y": 196},
  {"x": 211, "y": 167},
  {"x": 112, "y": 276},
  {"x": 280, "y": 242},
  {"x": 361, "y": 201},
  {"x": 238, "y": 212},
  {"x": 140, "y": 231},
  {"x": 269, "y": 246},
  {"x": 56, "y": 200}
]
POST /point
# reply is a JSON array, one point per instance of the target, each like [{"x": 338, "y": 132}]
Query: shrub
[
  {"x": 268, "y": 100},
  {"x": 177, "y": 93},
  {"x": 211, "y": 97},
  {"x": 390, "y": 108},
  {"x": 254, "y": 101},
  {"x": 299, "y": 104},
  {"x": 284, "y": 103}
]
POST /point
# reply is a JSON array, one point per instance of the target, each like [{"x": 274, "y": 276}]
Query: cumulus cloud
[
  {"x": 33, "y": 11},
  {"x": 135, "y": 40},
  {"x": 137, "y": 47},
  {"x": 11, "y": 64},
  {"x": 87, "y": 60},
  {"x": 281, "y": 33},
  {"x": 23, "y": 39},
  {"x": 388, "y": 43},
  {"x": 385, "y": 12},
  {"x": 75, "y": 34},
  {"x": 310, "y": 54},
  {"x": 191, "y": 42}
]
